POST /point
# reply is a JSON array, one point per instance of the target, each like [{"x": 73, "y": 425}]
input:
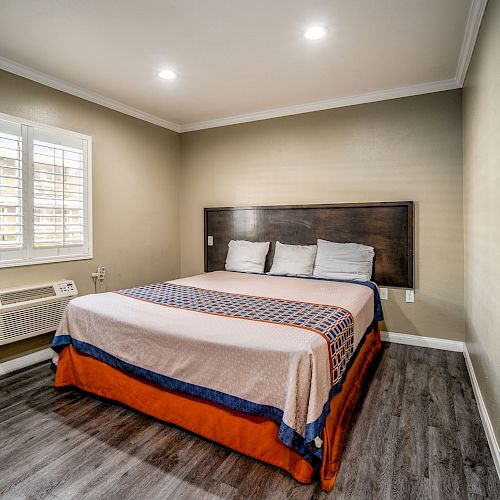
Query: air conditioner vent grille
[
  {"x": 26, "y": 295},
  {"x": 29, "y": 321}
]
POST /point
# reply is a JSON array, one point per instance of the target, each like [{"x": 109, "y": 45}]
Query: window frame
[{"x": 28, "y": 127}]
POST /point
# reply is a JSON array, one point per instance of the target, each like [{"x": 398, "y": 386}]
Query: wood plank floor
[{"x": 417, "y": 435}]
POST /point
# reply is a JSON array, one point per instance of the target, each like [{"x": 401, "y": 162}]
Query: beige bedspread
[{"x": 252, "y": 366}]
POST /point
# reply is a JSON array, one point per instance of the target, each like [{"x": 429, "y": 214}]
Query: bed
[{"x": 269, "y": 366}]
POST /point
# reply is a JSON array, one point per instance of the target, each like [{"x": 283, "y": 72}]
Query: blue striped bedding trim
[{"x": 305, "y": 447}]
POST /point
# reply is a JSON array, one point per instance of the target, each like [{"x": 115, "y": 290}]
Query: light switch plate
[
  {"x": 384, "y": 293},
  {"x": 410, "y": 296},
  {"x": 210, "y": 241}
]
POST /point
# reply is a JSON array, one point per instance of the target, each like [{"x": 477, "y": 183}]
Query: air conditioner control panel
[{"x": 65, "y": 288}]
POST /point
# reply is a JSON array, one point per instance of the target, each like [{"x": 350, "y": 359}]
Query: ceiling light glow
[
  {"x": 316, "y": 32},
  {"x": 167, "y": 74}
]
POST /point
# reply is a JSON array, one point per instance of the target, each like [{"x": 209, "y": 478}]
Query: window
[{"x": 45, "y": 202}]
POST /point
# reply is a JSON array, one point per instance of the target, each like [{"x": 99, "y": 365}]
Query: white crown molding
[
  {"x": 470, "y": 35},
  {"x": 340, "y": 102},
  {"x": 471, "y": 32},
  {"x": 25, "y": 361},
  {"x": 55, "y": 83},
  {"x": 472, "y": 26},
  {"x": 483, "y": 412},
  {"x": 417, "y": 341}
]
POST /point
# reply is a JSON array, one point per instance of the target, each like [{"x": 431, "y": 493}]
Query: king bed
[{"x": 270, "y": 366}]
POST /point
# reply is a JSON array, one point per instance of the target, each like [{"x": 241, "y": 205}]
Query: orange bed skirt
[{"x": 251, "y": 435}]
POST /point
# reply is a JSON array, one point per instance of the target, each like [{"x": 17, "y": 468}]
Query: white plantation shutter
[
  {"x": 58, "y": 197},
  {"x": 45, "y": 179},
  {"x": 11, "y": 187}
]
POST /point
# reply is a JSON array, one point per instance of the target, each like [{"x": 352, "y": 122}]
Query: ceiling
[{"x": 237, "y": 60}]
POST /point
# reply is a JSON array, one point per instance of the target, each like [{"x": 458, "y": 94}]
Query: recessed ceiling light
[
  {"x": 167, "y": 74},
  {"x": 316, "y": 32}
]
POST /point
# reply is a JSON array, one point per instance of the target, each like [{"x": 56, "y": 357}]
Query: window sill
[{"x": 46, "y": 260}]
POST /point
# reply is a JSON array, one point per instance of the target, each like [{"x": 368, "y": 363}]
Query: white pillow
[
  {"x": 346, "y": 261},
  {"x": 246, "y": 256},
  {"x": 293, "y": 260}
]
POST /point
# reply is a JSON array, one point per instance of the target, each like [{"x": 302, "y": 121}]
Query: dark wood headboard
[{"x": 386, "y": 226}]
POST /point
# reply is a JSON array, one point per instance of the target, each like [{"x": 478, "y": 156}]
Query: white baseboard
[
  {"x": 483, "y": 412},
  {"x": 416, "y": 340},
  {"x": 24, "y": 361}
]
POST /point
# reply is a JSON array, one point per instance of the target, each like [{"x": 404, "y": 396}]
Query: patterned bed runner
[{"x": 333, "y": 323}]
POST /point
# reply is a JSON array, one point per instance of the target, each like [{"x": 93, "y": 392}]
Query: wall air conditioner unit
[{"x": 32, "y": 310}]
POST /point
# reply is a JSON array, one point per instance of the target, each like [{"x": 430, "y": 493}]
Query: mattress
[{"x": 267, "y": 346}]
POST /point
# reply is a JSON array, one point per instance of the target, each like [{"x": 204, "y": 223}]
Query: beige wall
[
  {"x": 135, "y": 193},
  {"x": 404, "y": 149},
  {"x": 482, "y": 210}
]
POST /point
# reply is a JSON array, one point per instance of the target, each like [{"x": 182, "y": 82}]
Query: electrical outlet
[
  {"x": 384, "y": 293},
  {"x": 210, "y": 241},
  {"x": 101, "y": 273},
  {"x": 410, "y": 296}
]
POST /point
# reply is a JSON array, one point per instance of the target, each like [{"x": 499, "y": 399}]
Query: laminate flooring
[{"x": 417, "y": 434}]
